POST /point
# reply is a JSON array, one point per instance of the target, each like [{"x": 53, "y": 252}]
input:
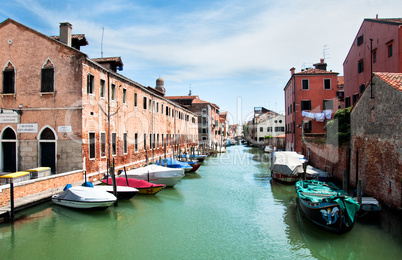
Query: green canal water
[{"x": 229, "y": 209}]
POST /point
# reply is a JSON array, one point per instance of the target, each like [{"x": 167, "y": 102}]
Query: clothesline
[{"x": 320, "y": 117}]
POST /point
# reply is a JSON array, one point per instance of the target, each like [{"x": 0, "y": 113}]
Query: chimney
[
  {"x": 292, "y": 71},
  {"x": 322, "y": 65},
  {"x": 65, "y": 33}
]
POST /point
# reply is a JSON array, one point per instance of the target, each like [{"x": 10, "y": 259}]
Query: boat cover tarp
[
  {"x": 317, "y": 191},
  {"x": 157, "y": 171},
  {"x": 139, "y": 184},
  {"x": 173, "y": 163},
  {"x": 287, "y": 163},
  {"x": 314, "y": 172},
  {"x": 81, "y": 193}
]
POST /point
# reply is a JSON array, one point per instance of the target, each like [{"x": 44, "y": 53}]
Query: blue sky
[{"x": 236, "y": 54}]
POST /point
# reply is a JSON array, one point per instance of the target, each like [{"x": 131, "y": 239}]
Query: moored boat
[
  {"x": 286, "y": 166},
  {"x": 81, "y": 197},
  {"x": 173, "y": 163},
  {"x": 157, "y": 174},
  {"x": 327, "y": 206},
  {"x": 123, "y": 193},
  {"x": 143, "y": 187}
]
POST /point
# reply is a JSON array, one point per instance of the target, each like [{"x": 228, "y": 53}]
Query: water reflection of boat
[{"x": 327, "y": 206}]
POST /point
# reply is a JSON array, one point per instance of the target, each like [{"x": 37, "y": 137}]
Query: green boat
[{"x": 327, "y": 206}]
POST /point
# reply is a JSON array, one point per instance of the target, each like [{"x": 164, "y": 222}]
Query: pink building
[{"x": 377, "y": 43}]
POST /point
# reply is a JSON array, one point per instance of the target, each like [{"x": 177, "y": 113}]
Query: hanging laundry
[
  {"x": 320, "y": 117},
  {"x": 328, "y": 113}
]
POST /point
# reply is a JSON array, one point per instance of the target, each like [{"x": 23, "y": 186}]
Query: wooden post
[
  {"x": 125, "y": 173},
  {"x": 345, "y": 181},
  {"x": 12, "y": 199},
  {"x": 359, "y": 191}
]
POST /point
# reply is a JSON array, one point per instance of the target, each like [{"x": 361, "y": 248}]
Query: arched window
[
  {"x": 47, "y": 82},
  {"x": 47, "y": 134},
  {"x": 8, "y": 134},
  {"x": 47, "y": 149},
  {"x": 9, "y": 79}
]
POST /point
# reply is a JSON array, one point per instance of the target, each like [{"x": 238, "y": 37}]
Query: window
[
  {"x": 135, "y": 99},
  {"x": 279, "y": 129},
  {"x": 161, "y": 108},
  {"x": 361, "y": 88},
  {"x": 157, "y": 141},
  {"x": 145, "y": 142},
  {"x": 113, "y": 94},
  {"x": 124, "y": 95},
  {"x": 8, "y": 79},
  {"x": 305, "y": 84},
  {"x": 204, "y": 138},
  {"x": 306, "y": 105},
  {"x": 102, "y": 88},
  {"x": 124, "y": 142},
  {"x": 103, "y": 144},
  {"x": 47, "y": 82},
  {"x": 354, "y": 98},
  {"x": 114, "y": 144},
  {"x": 163, "y": 144},
  {"x": 375, "y": 56},
  {"x": 157, "y": 107},
  {"x": 360, "y": 67},
  {"x": 145, "y": 103},
  {"x": 269, "y": 129},
  {"x": 347, "y": 102},
  {"x": 167, "y": 110},
  {"x": 360, "y": 40},
  {"x": 261, "y": 129},
  {"x": 327, "y": 83},
  {"x": 91, "y": 145},
  {"x": 150, "y": 105},
  {"x": 389, "y": 50},
  {"x": 90, "y": 84},
  {"x": 136, "y": 142},
  {"x": 328, "y": 104},
  {"x": 307, "y": 126}
]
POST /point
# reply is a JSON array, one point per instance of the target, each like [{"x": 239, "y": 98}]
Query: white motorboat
[
  {"x": 81, "y": 197},
  {"x": 157, "y": 174},
  {"x": 287, "y": 166}
]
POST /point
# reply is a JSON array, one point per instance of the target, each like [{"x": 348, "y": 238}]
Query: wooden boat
[
  {"x": 327, "y": 206},
  {"x": 195, "y": 165},
  {"x": 81, "y": 197},
  {"x": 123, "y": 193},
  {"x": 157, "y": 174},
  {"x": 286, "y": 166},
  {"x": 313, "y": 173},
  {"x": 370, "y": 207},
  {"x": 143, "y": 187}
]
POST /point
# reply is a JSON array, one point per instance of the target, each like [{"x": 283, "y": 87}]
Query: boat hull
[
  {"x": 123, "y": 193},
  {"x": 285, "y": 178},
  {"x": 195, "y": 166},
  {"x": 150, "y": 191},
  {"x": 97, "y": 205},
  {"x": 327, "y": 216}
]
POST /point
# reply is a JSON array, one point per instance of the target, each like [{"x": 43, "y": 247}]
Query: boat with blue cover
[
  {"x": 173, "y": 163},
  {"x": 327, "y": 206}
]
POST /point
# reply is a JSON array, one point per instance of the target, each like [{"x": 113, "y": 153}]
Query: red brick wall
[{"x": 35, "y": 187}]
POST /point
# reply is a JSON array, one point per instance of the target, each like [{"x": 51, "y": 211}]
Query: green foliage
[
  {"x": 268, "y": 137},
  {"x": 338, "y": 129}
]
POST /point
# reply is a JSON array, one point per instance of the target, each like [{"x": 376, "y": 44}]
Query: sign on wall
[
  {"x": 8, "y": 116},
  {"x": 64, "y": 129},
  {"x": 27, "y": 128}
]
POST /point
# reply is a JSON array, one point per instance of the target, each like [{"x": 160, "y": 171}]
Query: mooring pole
[{"x": 12, "y": 199}]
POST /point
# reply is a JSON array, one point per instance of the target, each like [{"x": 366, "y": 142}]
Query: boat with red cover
[{"x": 143, "y": 187}]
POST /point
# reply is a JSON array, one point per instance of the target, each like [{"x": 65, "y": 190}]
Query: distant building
[
  {"x": 311, "y": 98},
  {"x": 378, "y": 43},
  {"x": 210, "y": 128},
  {"x": 376, "y": 132},
  {"x": 266, "y": 126}
]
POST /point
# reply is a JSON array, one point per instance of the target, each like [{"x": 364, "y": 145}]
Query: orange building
[
  {"x": 64, "y": 110},
  {"x": 310, "y": 100}
]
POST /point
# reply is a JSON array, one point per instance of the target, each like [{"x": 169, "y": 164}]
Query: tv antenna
[
  {"x": 324, "y": 52},
  {"x": 103, "y": 30}
]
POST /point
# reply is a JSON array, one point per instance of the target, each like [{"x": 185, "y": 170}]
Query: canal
[{"x": 229, "y": 209}]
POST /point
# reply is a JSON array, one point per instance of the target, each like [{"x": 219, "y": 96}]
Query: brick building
[
  {"x": 384, "y": 53},
  {"x": 61, "y": 109},
  {"x": 376, "y": 139},
  {"x": 210, "y": 127},
  {"x": 311, "y": 97}
]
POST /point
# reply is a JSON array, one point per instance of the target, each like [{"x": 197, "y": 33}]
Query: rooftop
[{"x": 393, "y": 79}]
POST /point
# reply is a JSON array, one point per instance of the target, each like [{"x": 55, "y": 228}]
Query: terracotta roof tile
[
  {"x": 182, "y": 97},
  {"x": 341, "y": 80},
  {"x": 393, "y": 79}
]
